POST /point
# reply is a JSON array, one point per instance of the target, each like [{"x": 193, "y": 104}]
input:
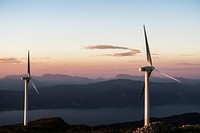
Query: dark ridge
[
  {"x": 183, "y": 119},
  {"x": 175, "y": 120},
  {"x": 184, "y": 123}
]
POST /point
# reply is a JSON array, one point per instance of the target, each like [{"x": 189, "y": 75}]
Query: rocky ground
[{"x": 161, "y": 127}]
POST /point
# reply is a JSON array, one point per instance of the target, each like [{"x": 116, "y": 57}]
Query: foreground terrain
[{"x": 185, "y": 123}]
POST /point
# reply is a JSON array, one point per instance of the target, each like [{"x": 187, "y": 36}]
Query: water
[{"x": 96, "y": 116}]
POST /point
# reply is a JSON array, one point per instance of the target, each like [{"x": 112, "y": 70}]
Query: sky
[{"x": 99, "y": 38}]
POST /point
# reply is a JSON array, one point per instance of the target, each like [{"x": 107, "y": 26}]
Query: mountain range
[
  {"x": 13, "y": 82},
  {"x": 116, "y": 93}
]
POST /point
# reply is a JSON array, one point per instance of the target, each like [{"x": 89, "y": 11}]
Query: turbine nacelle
[
  {"x": 25, "y": 78},
  {"x": 147, "y": 68}
]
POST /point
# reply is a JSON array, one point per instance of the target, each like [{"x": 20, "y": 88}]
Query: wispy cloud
[
  {"x": 136, "y": 61},
  {"x": 42, "y": 58},
  {"x": 187, "y": 55},
  {"x": 132, "y": 52},
  {"x": 10, "y": 60},
  {"x": 154, "y": 54},
  {"x": 105, "y": 47},
  {"x": 45, "y": 58},
  {"x": 187, "y": 64}
]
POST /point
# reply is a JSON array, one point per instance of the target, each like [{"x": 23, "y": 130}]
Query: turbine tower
[
  {"x": 27, "y": 79},
  {"x": 148, "y": 70}
]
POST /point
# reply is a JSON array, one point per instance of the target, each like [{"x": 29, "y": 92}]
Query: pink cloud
[
  {"x": 132, "y": 52},
  {"x": 9, "y": 60},
  {"x": 104, "y": 47}
]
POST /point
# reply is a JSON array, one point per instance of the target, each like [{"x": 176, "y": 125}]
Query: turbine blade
[
  {"x": 34, "y": 87},
  {"x": 147, "y": 48},
  {"x": 170, "y": 77},
  {"x": 142, "y": 93},
  {"x": 166, "y": 75},
  {"x": 150, "y": 73},
  {"x": 28, "y": 70},
  {"x": 27, "y": 81}
]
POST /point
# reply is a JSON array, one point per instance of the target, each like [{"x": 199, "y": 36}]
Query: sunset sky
[{"x": 99, "y": 38}]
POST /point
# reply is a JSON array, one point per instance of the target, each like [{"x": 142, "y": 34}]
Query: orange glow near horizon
[{"x": 96, "y": 67}]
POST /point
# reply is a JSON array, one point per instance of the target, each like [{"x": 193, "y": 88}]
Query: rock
[
  {"x": 156, "y": 127},
  {"x": 189, "y": 129}
]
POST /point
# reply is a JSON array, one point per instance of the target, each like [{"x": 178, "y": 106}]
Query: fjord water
[{"x": 96, "y": 116}]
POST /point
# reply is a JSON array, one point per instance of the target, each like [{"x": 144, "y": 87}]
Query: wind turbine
[
  {"x": 27, "y": 79},
  {"x": 148, "y": 70}
]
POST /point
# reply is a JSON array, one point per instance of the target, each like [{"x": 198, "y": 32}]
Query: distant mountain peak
[
  {"x": 127, "y": 76},
  {"x": 13, "y": 76}
]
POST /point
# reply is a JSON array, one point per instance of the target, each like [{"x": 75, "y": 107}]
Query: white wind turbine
[
  {"x": 148, "y": 70},
  {"x": 27, "y": 79}
]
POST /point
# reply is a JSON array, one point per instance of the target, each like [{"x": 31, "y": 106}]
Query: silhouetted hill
[
  {"x": 14, "y": 82},
  {"x": 175, "y": 120},
  {"x": 158, "y": 79},
  {"x": 180, "y": 123},
  {"x": 114, "y": 93},
  {"x": 37, "y": 126},
  {"x": 56, "y": 79}
]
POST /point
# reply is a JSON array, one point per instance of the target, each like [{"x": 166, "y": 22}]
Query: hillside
[
  {"x": 117, "y": 93},
  {"x": 14, "y": 82},
  {"x": 180, "y": 123}
]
